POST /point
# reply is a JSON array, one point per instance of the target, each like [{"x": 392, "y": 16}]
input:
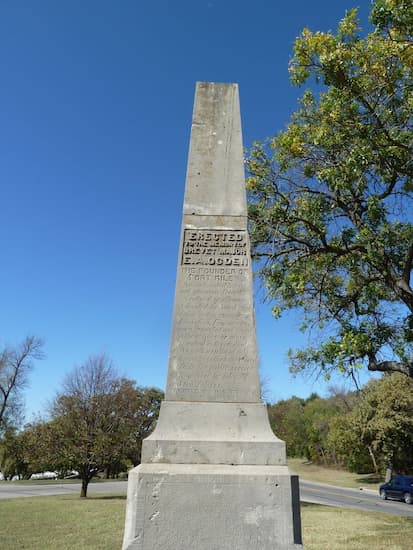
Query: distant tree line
[
  {"x": 96, "y": 424},
  {"x": 97, "y": 421},
  {"x": 363, "y": 431}
]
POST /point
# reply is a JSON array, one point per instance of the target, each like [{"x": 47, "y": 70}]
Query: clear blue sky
[{"x": 96, "y": 100}]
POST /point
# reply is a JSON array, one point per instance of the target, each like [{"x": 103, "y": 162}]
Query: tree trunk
[
  {"x": 389, "y": 472},
  {"x": 83, "y": 491},
  {"x": 373, "y": 458},
  {"x": 323, "y": 456}
]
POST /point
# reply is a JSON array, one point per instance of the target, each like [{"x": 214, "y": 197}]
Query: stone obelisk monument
[{"x": 213, "y": 475}]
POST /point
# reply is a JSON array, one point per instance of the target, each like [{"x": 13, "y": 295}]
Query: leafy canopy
[
  {"x": 381, "y": 422},
  {"x": 97, "y": 422},
  {"x": 331, "y": 196}
]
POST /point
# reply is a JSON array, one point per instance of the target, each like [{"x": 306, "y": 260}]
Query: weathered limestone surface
[
  {"x": 213, "y": 475},
  {"x": 212, "y": 507},
  {"x": 214, "y": 352}
]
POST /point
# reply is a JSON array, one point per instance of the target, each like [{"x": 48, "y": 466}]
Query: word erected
[{"x": 218, "y": 247}]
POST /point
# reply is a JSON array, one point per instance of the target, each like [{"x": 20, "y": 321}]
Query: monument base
[
  {"x": 213, "y": 433},
  {"x": 212, "y": 507}
]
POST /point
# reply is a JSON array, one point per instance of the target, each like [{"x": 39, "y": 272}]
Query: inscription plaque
[{"x": 220, "y": 248}]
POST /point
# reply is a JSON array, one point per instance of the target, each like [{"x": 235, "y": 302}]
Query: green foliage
[
  {"x": 363, "y": 431},
  {"x": 331, "y": 196},
  {"x": 12, "y": 460},
  {"x": 347, "y": 447},
  {"x": 304, "y": 424},
  {"x": 97, "y": 423},
  {"x": 287, "y": 419},
  {"x": 40, "y": 448},
  {"x": 379, "y": 429},
  {"x": 140, "y": 412}
]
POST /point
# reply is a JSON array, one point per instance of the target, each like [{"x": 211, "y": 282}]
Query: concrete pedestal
[
  {"x": 213, "y": 433},
  {"x": 212, "y": 507}
]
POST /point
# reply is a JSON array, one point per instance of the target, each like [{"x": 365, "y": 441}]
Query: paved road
[
  {"x": 364, "y": 499},
  {"x": 17, "y": 490},
  {"x": 310, "y": 492}
]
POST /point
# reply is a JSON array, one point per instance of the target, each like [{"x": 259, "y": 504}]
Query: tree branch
[{"x": 390, "y": 366}]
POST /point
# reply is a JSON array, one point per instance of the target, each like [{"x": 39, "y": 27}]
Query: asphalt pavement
[
  {"x": 362, "y": 499},
  {"x": 11, "y": 489}
]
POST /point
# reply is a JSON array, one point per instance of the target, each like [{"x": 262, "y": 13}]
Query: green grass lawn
[
  {"x": 328, "y": 528},
  {"x": 96, "y": 523},
  {"x": 64, "y": 522},
  {"x": 70, "y": 523}
]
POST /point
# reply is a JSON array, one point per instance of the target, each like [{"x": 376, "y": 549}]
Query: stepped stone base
[
  {"x": 213, "y": 433},
  {"x": 212, "y": 507}
]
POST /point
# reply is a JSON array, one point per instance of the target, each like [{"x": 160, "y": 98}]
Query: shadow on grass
[
  {"x": 106, "y": 497},
  {"x": 310, "y": 505},
  {"x": 371, "y": 479},
  {"x": 102, "y": 480}
]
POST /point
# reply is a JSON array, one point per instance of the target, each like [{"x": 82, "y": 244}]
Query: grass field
[
  {"x": 313, "y": 472},
  {"x": 70, "y": 523},
  {"x": 62, "y": 523},
  {"x": 328, "y": 528},
  {"x": 96, "y": 523}
]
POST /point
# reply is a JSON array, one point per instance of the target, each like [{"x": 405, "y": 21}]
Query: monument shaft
[
  {"x": 213, "y": 475},
  {"x": 213, "y": 353}
]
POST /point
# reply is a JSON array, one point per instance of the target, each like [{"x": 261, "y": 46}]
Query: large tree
[
  {"x": 331, "y": 196},
  {"x": 15, "y": 365},
  {"x": 140, "y": 412},
  {"x": 97, "y": 422},
  {"x": 85, "y": 419}
]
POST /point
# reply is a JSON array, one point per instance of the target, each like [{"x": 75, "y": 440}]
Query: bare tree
[{"x": 15, "y": 365}]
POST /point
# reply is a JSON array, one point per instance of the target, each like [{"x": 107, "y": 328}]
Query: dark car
[{"x": 399, "y": 488}]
